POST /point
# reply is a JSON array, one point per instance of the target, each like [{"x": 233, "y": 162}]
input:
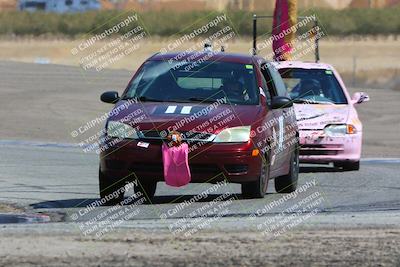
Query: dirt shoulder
[{"x": 322, "y": 247}]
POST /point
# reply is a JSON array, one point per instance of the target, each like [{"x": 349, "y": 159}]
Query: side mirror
[
  {"x": 281, "y": 102},
  {"x": 109, "y": 97},
  {"x": 359, "y": 97}
]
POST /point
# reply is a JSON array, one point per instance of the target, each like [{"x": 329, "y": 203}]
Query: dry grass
[
  {"x": 376, "y": 62},
  {"x": 370, "y": 54}
]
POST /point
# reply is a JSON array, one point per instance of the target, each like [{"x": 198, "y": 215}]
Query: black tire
[
  {"x": 147, "y": 189},
  {"x": 288, "y": 183},
  {"x": 258, "y": 189},
  {"x": 348, "y": 166},
  {"x": 110, "y": 190}
]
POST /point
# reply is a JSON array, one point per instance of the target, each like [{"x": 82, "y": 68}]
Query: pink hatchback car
[{"x": 330, "y": 130}]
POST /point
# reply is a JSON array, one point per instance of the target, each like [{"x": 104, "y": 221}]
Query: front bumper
[
  {"x": 315, "y": 147},
  {"x": 208, "y": 162}
]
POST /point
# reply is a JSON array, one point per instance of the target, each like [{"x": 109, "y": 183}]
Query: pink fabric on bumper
[{"x": 176, "y": 165}]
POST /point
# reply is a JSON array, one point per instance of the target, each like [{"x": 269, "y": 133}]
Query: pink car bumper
[{"x": 315, "y": 147}]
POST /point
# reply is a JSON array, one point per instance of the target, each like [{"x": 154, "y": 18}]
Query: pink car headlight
[{"x": 335, "y": 130}]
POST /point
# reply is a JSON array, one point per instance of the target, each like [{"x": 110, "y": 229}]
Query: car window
[
  {"x": 313, "y": 84},
  {"x": 268, "y": 79},
  {"x": 266, "y": 90},
  {"x": 279, "y": 84},
  {"x": 191, "y": 81}
]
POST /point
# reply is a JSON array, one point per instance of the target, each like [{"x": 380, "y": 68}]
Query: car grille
[
  {"x": 236, "y": 168},
  {"x": 158, "y": 168},
  {"x": 320, "y": 150},
  {"x": 147, "y": 167},
  {"x": 187, "y": 136}
]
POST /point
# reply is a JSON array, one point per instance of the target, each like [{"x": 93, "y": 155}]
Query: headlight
[
  {"x": 339, "y": 129},
  {"x": 234, "y": 135},
  {"x": 121, "y": 130}
]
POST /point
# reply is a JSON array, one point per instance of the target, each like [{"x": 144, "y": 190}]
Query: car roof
[
  {"x": 302, "y": 65},
  {"x": 207, "y": 56}
]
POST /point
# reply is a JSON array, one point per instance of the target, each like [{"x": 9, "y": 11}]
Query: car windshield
[
  {"x": 182, "y": 81},
  {"x": 313, "y": 86}
]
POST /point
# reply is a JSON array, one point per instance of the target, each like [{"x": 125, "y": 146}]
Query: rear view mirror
[
  {"x": 359, "y": 97},
  {"x": 109, "y": 97},
  {"x": 281, "y": 102}
]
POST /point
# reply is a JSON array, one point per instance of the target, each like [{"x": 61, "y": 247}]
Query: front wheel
[
  {"x": 147, "y": 189},
  {"x": 258, "y": 189},
  {"x": 111, "y": 191},
  {"x": 288, "y": 183}
]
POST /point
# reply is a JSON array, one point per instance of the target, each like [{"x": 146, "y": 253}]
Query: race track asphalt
[
  {"x": 46, "y": 184},
  {"x": 61, "y": 181}
]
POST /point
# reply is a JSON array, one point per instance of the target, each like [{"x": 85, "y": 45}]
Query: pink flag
[{"x": 285, "y": 16}]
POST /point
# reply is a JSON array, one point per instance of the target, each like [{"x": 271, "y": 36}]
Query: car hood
[
  {"x": 186, "y": 116},
  {"x": 315, "y": 116}
]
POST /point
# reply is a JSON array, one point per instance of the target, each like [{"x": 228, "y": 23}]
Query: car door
[
  {"x": 276, "y": 121},
  {"x": 287, "y": 123}
]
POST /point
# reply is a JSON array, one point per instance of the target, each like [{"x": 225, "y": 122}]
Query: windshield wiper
[
  {"x": 204, "y": 100},
  {"x": 310, "y": 101},
  {"x": 147, "y": 99},
  {"x": 144, "y": 99},
  {"x": 191, "y": 99}
]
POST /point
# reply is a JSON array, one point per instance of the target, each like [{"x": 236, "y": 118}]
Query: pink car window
[{"x": 176, "y": 165}]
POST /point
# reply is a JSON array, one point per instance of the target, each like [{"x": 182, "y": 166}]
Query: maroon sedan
[{"x": 232, "y": 110}]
